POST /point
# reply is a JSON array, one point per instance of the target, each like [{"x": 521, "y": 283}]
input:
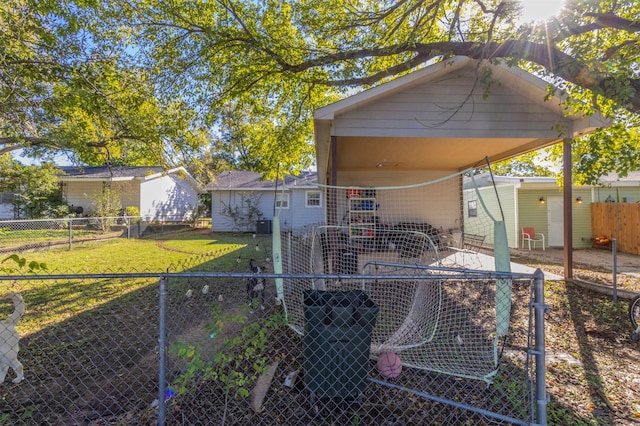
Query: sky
[{"x": 540, "y": 10}]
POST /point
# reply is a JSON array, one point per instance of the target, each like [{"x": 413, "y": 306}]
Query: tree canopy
[{"x": 242, "y": 78}]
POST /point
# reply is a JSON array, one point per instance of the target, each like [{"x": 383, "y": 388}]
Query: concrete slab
[{"x": 483, "y": 262}]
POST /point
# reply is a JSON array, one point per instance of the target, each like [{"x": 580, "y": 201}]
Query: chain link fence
[
  {"x": 25, "y": 235},
  {"x": 187, "y": 348}
]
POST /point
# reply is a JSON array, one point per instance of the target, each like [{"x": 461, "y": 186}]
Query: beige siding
[
  {"x": 531, "y": 212},
  {"x": 442, "y": 108},
  {"x": 129, "y": 193},
  {"x": 437, "y": 204},
  {"x": 581, "y": 218},
  {"x": 82, "y": 194}
]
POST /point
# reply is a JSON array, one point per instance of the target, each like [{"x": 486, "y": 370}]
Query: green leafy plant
[
  {"x": 132, "y": 211},
  {"x": 106, "y": 206},
  {"x": 20, "y": 263},
  {"x": 240, "y": 358},
  {"x": 35, "y": 190},
  {"x": 245, "y": 214}
]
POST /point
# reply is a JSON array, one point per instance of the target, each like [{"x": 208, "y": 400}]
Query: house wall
[
  {"x": 221, "y": 201},
  {"x": 533, "y": 213},
  {"x": 167, "y": 198},
  {"x": 619, "y": 194},
  {"x": 581, "y": 218},
  {"x": 79, "y": 193},
  {"x": 522, "y": 207},
  {"x": 490, "y": 209},
  {"x": 296, "y": 215},
  {"x": 299, "y": 214},
  {"x": 437, "y": 203},
  {"x": 441, "y": 108}
]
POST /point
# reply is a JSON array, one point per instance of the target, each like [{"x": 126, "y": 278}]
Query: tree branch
[
  {"x": 603, "y": 20},
  {"x": 554, "y": 60}
]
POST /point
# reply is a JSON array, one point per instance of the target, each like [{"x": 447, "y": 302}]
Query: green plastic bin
[{"x": 337, "y": 342}]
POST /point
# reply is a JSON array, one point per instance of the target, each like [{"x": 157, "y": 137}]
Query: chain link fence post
[
  {"x": 540, "y": 309},
  {"x": 162, "y": 349}
]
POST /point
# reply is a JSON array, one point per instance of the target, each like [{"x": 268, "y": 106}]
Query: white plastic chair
[{"x": 530, "y": 235}]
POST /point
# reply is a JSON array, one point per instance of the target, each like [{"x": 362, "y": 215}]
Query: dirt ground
[
  {"x": 593, "y": 367},
  {"x": 589, "y": 265}
]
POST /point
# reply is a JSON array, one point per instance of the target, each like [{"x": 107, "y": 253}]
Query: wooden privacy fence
[{"x": 620, "y": 221}]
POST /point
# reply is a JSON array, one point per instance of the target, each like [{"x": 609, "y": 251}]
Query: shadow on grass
[{"x": 90, "y": 346}]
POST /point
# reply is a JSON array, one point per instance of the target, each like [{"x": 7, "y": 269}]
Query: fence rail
[
  {"x": 25, "y": 235},
  {"x": 186, "y": 348}
]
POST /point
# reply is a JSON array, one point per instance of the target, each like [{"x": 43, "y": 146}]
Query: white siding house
[{"x": 170, "y": 195}]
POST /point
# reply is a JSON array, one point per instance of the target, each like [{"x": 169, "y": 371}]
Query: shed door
[{"x": 555, "y": 217}]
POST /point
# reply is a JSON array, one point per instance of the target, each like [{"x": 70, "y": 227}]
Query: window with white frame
[
  {"x": 473, "y": 208},
  {"x": 314, "y": 199},
  {"x": 282, "y": 200}
]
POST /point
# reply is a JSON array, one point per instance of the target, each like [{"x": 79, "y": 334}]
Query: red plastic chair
[{"x": 530, "y": 236}]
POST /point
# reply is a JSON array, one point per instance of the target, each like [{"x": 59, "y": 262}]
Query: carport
[{"x": 442, "y": 119}]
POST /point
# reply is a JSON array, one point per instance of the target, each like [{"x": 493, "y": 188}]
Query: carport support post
[
  {"x": 614, "y": 250},
  {"x": 568, "y": 214},
  {"x": 162, "y": 349}
]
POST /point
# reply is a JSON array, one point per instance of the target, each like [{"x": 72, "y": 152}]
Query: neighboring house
[
  {"x": 241, "y": 199},
  {"x": 538, "y": 202},
  {"x": 6, "y": 205},
  {"x": 170, "y": 195},
  {"x": 619, "y": 189}
]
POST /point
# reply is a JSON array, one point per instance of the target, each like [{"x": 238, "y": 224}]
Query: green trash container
[{"x": 337, "y": 341}]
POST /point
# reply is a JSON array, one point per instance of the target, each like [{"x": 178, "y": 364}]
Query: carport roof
[{"x": 410, "y": 145}]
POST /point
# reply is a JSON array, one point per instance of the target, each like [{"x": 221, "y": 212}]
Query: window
[
  {"x": 282, "y": 201},
  {"x": 473, "y": 208},
  {"x": 314, "y": 199},
  {"x": 7, "y": 197}
]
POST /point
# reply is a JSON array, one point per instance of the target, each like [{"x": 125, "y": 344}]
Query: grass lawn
[
  {"x": 153, "y": 254},
  {"x": 52, "y": 302},
  {"x": 10, "y": 238}
]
